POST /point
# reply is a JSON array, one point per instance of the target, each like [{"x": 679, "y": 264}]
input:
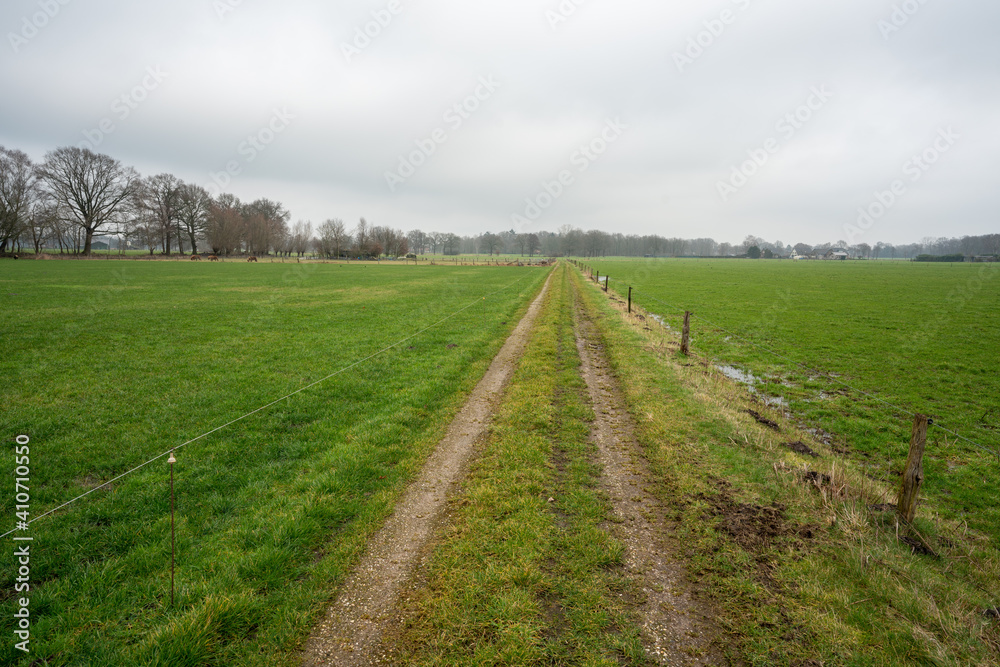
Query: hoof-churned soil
[
  {"x": 676, "y": 626},
  {"x": 354, "y": 626}
]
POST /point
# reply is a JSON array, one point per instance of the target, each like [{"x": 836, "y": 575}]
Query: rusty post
[{"x": 172, "y": 461}]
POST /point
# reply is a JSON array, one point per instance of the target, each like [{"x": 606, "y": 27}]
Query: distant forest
[{"x": 76, "y": 200}]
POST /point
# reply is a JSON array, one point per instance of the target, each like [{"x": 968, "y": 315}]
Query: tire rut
[
  {"x": 351, "y": 634},
  {"x": 675, "y": 626}
]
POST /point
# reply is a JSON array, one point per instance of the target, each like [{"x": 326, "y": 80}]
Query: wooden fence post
[
  {"x": 913, "y": 476},
  {"x": 607, "y": 282},
  {"x": 686, "y": 334},
  {"x": 629, "y": 299}
]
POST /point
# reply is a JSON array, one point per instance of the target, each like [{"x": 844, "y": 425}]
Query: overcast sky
[{"x": 779, "y": 118}]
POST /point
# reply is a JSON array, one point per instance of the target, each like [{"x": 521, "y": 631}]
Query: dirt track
[
  {"x": 676, "y": 627},
  {"x": 352, "y": 631}
]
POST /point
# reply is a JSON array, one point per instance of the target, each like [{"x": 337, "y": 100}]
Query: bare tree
[
  {"x": 570, "y": 239},
  {"x": 331, "y": 234},
  {"x": 533, "y": 244},
  {"x": 363, "y": 238},
  {"x": 224, "y": 226},
  {"x": 392, "y": 241},
  {"x": 90, "y": 189},
  {"x": 301, "y": 237},
  {"x": 417, "y": 241},
  {"x": 489, "y": 242},
  {"x": 522, "y": 243},
  {"x": 449, "y": 244},
  {"x": 341, "y": 237},
  {"x": 147, "y": 230},
  {"x": 435, "y": 239},
  {"x": 382, "y": 237},
  {"x": 594, "y": 242},
  {"x": 266, "y": 223},
  {"x": 17, "y": 192},
  {"x": 161, "y": 198},
  {"x": 192, "y": 212},
  {"x": 43, "y": 224}
]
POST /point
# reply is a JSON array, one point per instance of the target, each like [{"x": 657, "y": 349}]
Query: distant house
[
  {"x": 986, "y": 258},
  {"x": 836, "y": 253}
]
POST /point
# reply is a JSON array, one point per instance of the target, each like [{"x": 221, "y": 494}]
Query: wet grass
[
  {"x": 803, "y": 568},
  {"x": 915, "y": 335},
  {"x": 107, "y": 364}
]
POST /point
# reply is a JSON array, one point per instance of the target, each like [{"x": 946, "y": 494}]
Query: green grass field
[
  {"x": 923, "y": 337},
  {"x": 802, "y": 572},
  {"x": 108, "y": 364}
]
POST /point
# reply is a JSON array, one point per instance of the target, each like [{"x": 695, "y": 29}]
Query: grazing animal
[
  {"x": 15, "y": 256},
  {"x": 213, "y": 258},
  {"x": 195, "y": 258},
  {"x": 251, "y": 259}
]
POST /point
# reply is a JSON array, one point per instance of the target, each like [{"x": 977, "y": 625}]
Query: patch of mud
[
  {"x": 351, "y": 634},
  {"x": 819, "y": 479},
  {"x": 676, "y": 626},
  {"x": 754, "y": 527},
  {"x": 764, "y": 420},
  {"x": 800, "y": 447},
  {"x": 916, "y": 546}
]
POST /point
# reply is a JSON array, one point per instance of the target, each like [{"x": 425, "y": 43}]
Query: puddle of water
[
  {"x": 741, "y": 376},
  {"x": 750, "y": 380},
  {"x": 775, "y": 401},
  {"x": 662, "y": 323}
]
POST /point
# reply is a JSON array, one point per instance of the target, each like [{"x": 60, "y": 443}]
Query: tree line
[{"x": 75, "y": 196}]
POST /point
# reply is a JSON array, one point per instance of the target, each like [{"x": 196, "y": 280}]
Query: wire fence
[
  {"x": 478, "y": 300},
  {"x": 812, "y": 370}
]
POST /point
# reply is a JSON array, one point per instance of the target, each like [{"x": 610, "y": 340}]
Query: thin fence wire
[
  {"x": 264, "y": 407},
  {"x": 815, "y": 371}
]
